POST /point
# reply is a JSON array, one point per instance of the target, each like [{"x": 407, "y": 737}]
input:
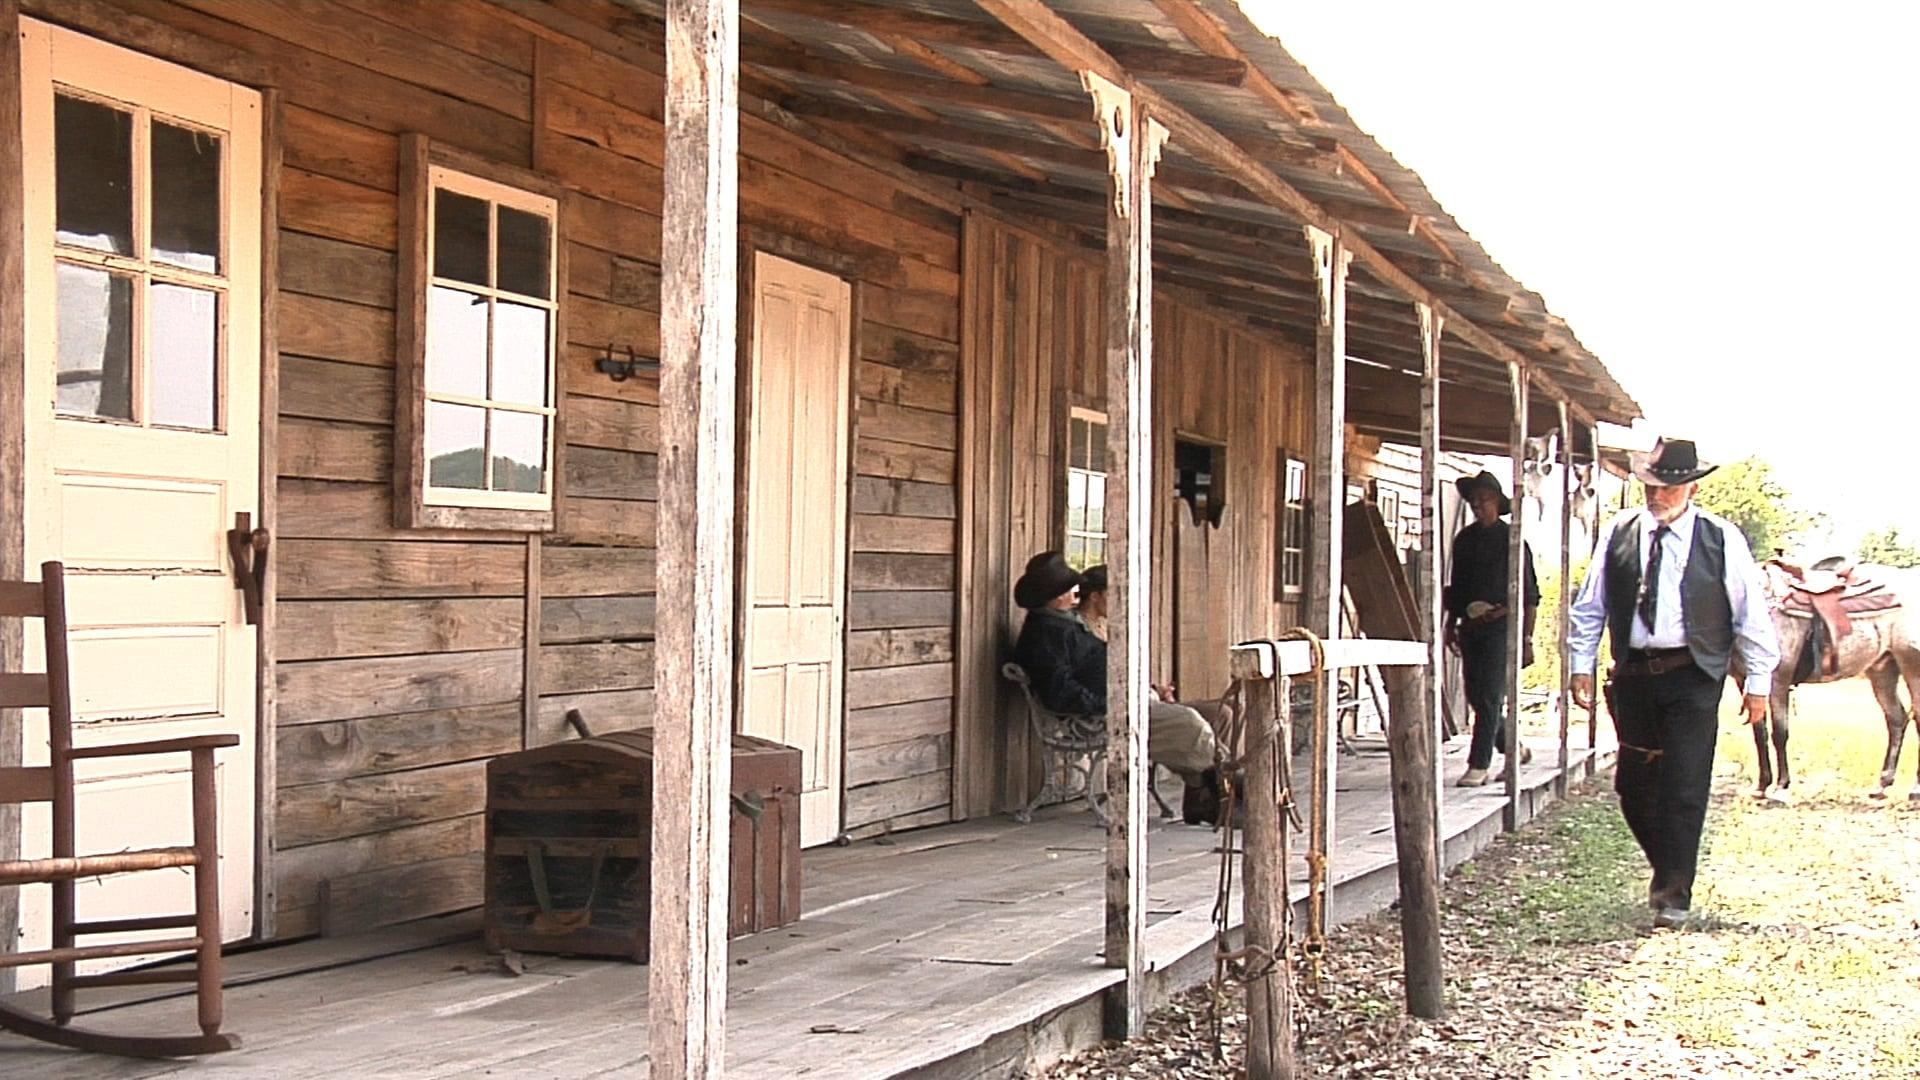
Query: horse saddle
[{"x": 1830, "y": 592}]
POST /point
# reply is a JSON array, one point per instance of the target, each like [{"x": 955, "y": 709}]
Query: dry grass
[{"x": 1805, "y": 961}]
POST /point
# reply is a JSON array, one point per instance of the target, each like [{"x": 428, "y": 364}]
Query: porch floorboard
[{"x": 957, "y": 950}]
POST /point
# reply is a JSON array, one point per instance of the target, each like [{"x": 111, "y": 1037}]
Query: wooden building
[{"x": 386, "y": 280}]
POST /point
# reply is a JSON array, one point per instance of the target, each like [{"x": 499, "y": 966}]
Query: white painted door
[
  {"x": 797, "y": 526},
  {"x": 143, "y": 441}
]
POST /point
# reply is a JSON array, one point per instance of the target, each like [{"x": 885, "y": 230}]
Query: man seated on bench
[{"x": 1067, "y": 663}]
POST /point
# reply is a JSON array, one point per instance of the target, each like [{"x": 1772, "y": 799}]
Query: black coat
[{"x": 1067, "y": 663}]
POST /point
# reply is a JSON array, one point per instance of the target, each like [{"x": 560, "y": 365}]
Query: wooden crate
[{"x": 569, "y": 841}]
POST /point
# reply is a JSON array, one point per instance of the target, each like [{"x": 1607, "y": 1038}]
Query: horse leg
[
  {"x": 1910, "y": 672},
  {"x": 1779, "y": 713},
  {"x": 1766, "y": 763},
  {"x": 1884, "y": 676}
]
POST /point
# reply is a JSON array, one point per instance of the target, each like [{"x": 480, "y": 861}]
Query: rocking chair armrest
[{"x": 158, "y": 746}]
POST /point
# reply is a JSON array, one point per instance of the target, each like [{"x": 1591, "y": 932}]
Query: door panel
[
  {"x": 143, "y": 442},
  {"x": 796, "y": 527}
]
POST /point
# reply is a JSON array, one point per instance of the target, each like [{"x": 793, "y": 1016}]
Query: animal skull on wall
[
  {"x": 1586, "y": 501},
  {"x": 1536, "y": 465}
]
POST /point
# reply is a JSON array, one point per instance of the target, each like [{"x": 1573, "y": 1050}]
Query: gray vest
[{"x": 1703, "y": 593}]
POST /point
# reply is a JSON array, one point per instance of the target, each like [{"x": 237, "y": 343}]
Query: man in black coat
[
  {"x": 1476, "y": 603},
  {"x": 1067, "y": 664}
]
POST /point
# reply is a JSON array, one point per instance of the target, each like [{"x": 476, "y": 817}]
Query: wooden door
[
  {"x": 1200, "y": 602},
  {"x": 143, "y": 441},
  {"x": 796, "y": 541}
]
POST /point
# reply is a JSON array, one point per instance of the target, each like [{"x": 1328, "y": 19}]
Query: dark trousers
[
  {"x": 1666, "y": 725},
  {"x": 1483, "y": 658}
]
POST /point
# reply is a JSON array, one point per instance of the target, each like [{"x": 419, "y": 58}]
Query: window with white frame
[
  {"x": 1389, "y": 502},
  {"x": 483, "y": 363},
  {"x": 1291, "y": 547},
  {"x": 1086, "y": 543}
]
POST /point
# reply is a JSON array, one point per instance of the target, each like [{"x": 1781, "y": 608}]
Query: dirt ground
[{"x": 1803, "y": 960}]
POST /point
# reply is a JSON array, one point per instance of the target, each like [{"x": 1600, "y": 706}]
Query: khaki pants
[{"x": 1179, "y": 738}]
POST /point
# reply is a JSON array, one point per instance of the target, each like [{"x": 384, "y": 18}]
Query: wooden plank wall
[
  {"x": 1032, "y": 311},
  {"x": 409, "y": 658}
]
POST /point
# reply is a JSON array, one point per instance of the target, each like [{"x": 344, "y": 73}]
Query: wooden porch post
[
  {"x": 1565, "y": 591},
  {"x": 1516, "y": 592},
  {"x": 1593, "y": 706},
  {"x": 1330, "y": 262},
  {"x": 13, "y": 427},
  {"x": 1432, "y": 540},
  {"x": 1410, "y": 748},
  {"x": 693, "y": 703},
  {"x": 1132, "y": 140},
  {"x": 1264, "y": 901}
]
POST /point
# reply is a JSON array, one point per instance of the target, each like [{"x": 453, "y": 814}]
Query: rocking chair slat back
[{"x": 54, "y": 783}]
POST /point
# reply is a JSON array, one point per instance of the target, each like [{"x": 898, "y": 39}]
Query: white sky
[{"x": 1718, "y": 198}]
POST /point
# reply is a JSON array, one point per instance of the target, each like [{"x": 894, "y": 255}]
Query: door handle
[{"x": 248, "y": 546}]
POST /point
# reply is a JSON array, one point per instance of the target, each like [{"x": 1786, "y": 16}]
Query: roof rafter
[{"x": 1059, "y": 39}]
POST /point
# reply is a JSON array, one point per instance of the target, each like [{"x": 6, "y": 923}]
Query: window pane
[
  {"x": 1076, "y": 500},
  {"x": 519, "y": 353},
  {"x": 1076, "y": 443},
  {"x": 181, "y": 356},
  {"x": 95, "y": 343},
  {"x": 524, "y": 252},
  {"x": 1097, "y": 447},
  {"x": 456, "y": 436},
  {"x": 186, "y": 197},
  {"x": 1096, "y": 551},
  {"x": 519, "y": 451},
  {"x": 459, "y": 237},
  {"x": 456, "y": 342},
  {"x": 1096, "y": 504},
  {"x": 93, "y": 175},
  {"x": 1077, "y": 552}
]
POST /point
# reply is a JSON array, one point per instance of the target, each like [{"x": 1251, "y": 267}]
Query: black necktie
[{"x": 1650, "y": 582}]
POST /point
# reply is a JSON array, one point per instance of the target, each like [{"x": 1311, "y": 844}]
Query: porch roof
[{"x": 942, "y": 88}]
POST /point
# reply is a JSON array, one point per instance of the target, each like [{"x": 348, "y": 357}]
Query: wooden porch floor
[{"x": 961, "y": 950}]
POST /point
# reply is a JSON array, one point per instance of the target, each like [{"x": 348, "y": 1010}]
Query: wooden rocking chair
[{"x": 53, "y": 783}]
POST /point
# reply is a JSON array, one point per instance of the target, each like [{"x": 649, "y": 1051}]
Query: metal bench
[{"x": 1073, "y": 748}]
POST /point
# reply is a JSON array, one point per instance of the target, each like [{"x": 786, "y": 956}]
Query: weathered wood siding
[
  {"x": 407, "y": 658},
  {"x": 1033, "y": 351}
]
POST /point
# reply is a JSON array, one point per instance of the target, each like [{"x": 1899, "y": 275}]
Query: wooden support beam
[
  {"x": 1433, "y": 540},
  {"x": 1206, "y": 35},
  {"x": 13, "y": 427},
  {"x": 1516, "y": 595},
  {"x": 1039, "y": 24},
  {"x": 1328, "y": 485},
  {"x": 1410, "y": 754},
  {"x": 1593, "y": 705},
  {"x": 1565, "y": 592},
  {"x": 1264, "y": 900},
  {"x": 693, "y": 654},
  {"x": 1133, "y": 142}
]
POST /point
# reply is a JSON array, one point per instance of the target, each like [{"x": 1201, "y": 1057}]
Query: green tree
[
  {"x": 1885, "y": 547},
  {"x": 1745, "y": 493}
]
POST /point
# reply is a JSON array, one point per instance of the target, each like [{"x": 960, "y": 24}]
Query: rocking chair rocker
[{"x": 53, "y": 783}]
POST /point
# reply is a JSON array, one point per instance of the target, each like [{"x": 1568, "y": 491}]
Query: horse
[{"x": 1883, "y": 647}]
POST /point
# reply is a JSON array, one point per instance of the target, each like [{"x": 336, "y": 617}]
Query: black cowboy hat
[
  {"x": 1047, "y": 576},
  {"x": 1671, "y": 462},
  {"x": 1467, "y": 484}
]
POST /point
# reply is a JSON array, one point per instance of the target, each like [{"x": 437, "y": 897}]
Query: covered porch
[
  {"x": 1013, "y": 262},
  {"x": 963, "y": 950}
]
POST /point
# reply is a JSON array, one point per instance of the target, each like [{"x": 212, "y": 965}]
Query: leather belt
[{"x": 1653, "y": 661}]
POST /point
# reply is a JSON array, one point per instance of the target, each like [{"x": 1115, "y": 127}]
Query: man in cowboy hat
[
  {"x": 1068, "y": 666},
  {"x": 1678, "y": 590},
  {"x": 1476, "y": 605}
]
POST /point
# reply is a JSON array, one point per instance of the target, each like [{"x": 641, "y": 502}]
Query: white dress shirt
[{"x": 1746, "y": 594}]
